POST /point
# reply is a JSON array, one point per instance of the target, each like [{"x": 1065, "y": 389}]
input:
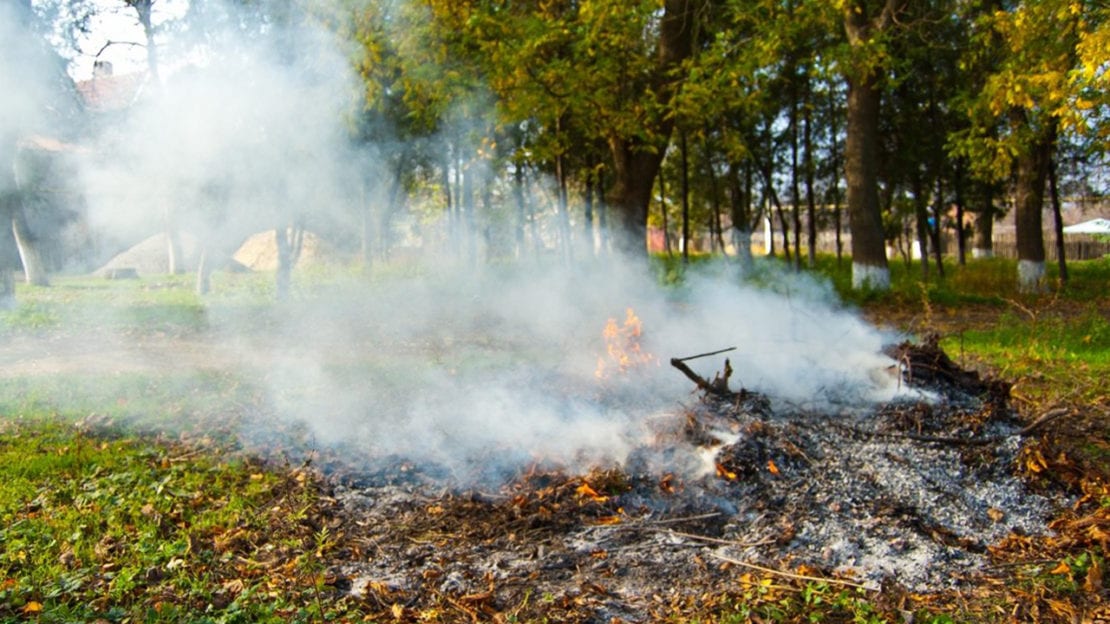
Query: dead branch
[
  {"x": 1043, "y": 420},
  {"x": 789, "y": 575},
  {"x": 723, "y": 542},
  {"x": 701, "y": 355},
  {"x": 719, "y": 385}
]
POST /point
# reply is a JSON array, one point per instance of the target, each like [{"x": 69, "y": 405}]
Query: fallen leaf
[
  {"x": 586, "y": 491},
  {"x": 1061, "y": 608},
  {"x": 1093, "y": 582},
  {"x": 397, "y": 610}
]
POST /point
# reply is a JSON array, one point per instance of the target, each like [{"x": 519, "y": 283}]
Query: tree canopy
[{"x": 573, "y": 125}]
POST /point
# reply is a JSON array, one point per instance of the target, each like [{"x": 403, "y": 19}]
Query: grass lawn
[{"x": 106, "y": 516}]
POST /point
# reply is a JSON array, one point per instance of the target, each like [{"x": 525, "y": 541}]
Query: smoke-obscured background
[{"x": 463, "y": 362}]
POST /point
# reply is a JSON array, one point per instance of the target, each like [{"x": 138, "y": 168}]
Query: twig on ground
[
  {"x": 723, "y": 542},
  {"x": 790, "y": 575}
]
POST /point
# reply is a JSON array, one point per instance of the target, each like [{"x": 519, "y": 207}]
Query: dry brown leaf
[
  {"x": 586, "y": 491},
  {"x": 1093, "y": 582},
  {"x": 1061, "y": 608}
]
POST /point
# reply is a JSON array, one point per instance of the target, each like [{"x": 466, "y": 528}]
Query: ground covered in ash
[{"x": 910, "y": 494}]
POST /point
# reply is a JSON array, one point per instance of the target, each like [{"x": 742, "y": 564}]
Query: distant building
[{"x": 107, "y": 92}]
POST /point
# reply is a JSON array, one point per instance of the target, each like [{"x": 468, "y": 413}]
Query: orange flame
[{"x": 622, "y": 346}]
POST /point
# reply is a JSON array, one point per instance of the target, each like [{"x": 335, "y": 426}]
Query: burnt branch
[
  {"x": 701, "y": 355},
  {"x": 717, "y": 387}
]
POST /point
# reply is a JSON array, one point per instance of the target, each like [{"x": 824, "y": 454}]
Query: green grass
[
  {"x": 122, "y": 499},
  {"x": 85, "y": 303},
  {"x": 107, "y": 527}
]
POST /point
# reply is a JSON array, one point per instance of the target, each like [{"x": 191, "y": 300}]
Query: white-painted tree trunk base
[
  {"x": 868, "y": 277},
  {"x": 979, "y": 252},
  {"x": 742, "y": 243},
  {"x": 1030, "y": 275}
]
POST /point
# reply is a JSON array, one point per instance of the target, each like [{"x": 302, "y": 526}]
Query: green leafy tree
[{"x": 1045, "y": 82}]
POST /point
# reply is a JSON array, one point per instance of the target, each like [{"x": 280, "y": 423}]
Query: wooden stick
[
  {"x": 701, "y": 355},
  {"x": 789, "y": 575},
  {"x": 723, "y": 542},
  {"x": 698, "y": 380}
]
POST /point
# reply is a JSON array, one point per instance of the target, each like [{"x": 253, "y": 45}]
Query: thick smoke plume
[{"x": 476, "y": 368}]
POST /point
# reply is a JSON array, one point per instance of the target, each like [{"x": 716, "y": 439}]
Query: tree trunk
[
  {"x": 521, "y": 210},
  {"x": 984, "y": 224},
  {"x": 636, "y": 161},
  {"x": 1029, "y": 185},
  {"x": 634, "y": 171},
  {"x": 961, "y": 232},
  {"x": 9, "y": 253},
  {"x": 685, "y": 181},
  {"x": 588, "y": 210},
  {"x": 204, "y": 271},
  {"x": 714, "y": 200},
  {"x": 921, "y": 219},
  {"x": 663, "y": 214},
  {"x": 290, "y": 240},
  {"x": 740, "y": 213},
  {"x": 795, "y": 188},
  {"x": 34, "y": 269},
  {"x": 1058, "y": 222},
  {"x": 834, "y": 186},
  {"x": 869, "y": 264},
  {"x": 811, "y": 199},
  {"x": 934, "y": 231}
]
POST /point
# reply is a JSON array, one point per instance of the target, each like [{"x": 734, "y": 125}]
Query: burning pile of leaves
[{"x": 736, "y": 498}]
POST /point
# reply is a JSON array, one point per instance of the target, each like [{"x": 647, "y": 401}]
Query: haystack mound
[
  {"x": 259, "y": 252},
  {"x": 151, "y": 257}
]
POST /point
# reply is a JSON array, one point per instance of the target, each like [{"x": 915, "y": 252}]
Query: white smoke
[{"x": 471, "y": 367}]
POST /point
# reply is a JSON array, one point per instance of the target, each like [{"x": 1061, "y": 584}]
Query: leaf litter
[{"x": 916, "y": 496}]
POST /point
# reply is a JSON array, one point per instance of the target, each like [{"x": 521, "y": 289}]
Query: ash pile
[{"x": 909, "y": 494}]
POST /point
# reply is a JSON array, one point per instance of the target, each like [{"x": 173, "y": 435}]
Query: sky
[{"x": 113, "y": 31}]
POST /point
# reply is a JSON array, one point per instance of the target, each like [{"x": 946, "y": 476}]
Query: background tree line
[{"x": 571, "y": 126}]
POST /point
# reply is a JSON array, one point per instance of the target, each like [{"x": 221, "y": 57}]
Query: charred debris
[{"x": 909, "y": 495}]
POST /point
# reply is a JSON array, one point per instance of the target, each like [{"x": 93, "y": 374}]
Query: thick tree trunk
[
  {"x": 636, "y": 161},
  {"x": 34, "y": 269},
  {"x": 741, "y": 215},
  {"x": 9, "y": 254},
  {"x": 869, "y": 264},
  {"x": 634, "y": 171},
  {"x": 1029, "y": 185}
]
